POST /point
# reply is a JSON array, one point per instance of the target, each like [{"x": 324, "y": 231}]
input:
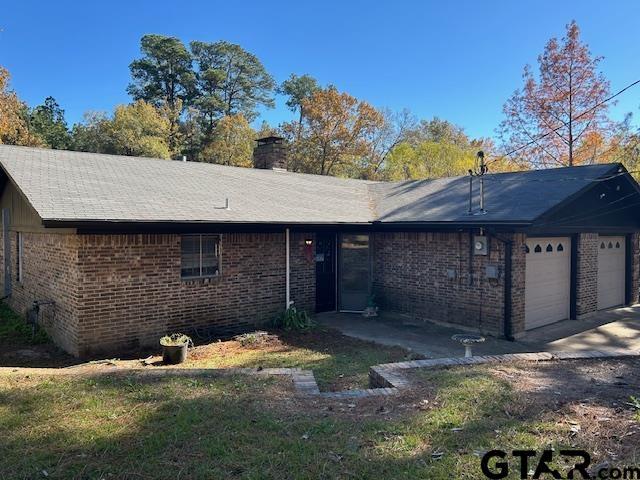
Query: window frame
[
  {"x": 19, "y": 257},
  {"x": 201, "y": 236}
]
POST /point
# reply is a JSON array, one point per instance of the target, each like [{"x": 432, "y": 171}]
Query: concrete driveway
[{"x": 612, "y": 329}]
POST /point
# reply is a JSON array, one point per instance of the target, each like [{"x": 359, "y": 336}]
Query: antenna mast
[{"x": 481, "y": 171}]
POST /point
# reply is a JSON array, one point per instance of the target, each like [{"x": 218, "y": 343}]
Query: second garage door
[
  {"x": 611, "y": 272},
  {"x": 548, "y": 280}
]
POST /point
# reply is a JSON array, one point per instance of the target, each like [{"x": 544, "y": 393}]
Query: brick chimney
[{"x": 270, "y": 154}]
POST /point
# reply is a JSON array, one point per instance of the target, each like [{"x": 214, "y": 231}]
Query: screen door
[{"x": 354, "y": 272}]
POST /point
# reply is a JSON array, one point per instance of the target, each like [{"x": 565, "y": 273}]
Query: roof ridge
[{"x": 191, "y": 163}]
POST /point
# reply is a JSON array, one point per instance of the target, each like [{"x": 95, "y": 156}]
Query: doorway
[
  {"x": 354, "y": 272},
  {"x": 325, "y": 259}
]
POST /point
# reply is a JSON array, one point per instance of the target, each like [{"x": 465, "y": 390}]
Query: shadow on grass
[{"x": 246, "y": 427}]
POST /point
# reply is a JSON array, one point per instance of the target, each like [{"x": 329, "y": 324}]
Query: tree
[
  {"x": 139, "y": 129},
  {"x": 92, "y": 134},
  {"x": 14, "y": 126},
  {"x": 429, "y": 159},
  {"x": 560, "y": 110},
  {"x": 232, "y": 142},
  {"x": 298, "y": 89},
  {"x": 48, "y": 122},
  {"x": 230, "y": 80},
  {"x": 164, "y": 74},
  {"x": 337, "y": 129},
  {"x": 390, "y": 133},
  {"x": 437, "y": 130},
  {"x": 165, "y": 78}
]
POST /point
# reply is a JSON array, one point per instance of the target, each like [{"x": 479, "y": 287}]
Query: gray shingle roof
[
  {"x": 64, "y": 185},
  {"x": 509, "y": 197},
  {"x": 76, "y": 186}
]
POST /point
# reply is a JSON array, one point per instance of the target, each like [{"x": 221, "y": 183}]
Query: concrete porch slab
[{"x": 604, "y": 331}]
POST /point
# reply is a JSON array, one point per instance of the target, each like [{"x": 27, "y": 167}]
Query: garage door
[
  {"x": 548, "y": 280},
  {"x": 611, "y": 272}
]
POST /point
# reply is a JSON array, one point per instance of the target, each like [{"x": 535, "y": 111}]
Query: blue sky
[{"x": 458, "y": 60}]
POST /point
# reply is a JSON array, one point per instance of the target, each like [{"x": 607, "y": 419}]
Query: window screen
[{"x": 200, "y": 256}]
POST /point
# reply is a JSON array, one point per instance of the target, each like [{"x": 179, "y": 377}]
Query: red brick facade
[
  {"x": 434, "y": 276},
  {"x": 117, "y": 292},
  {"x": 587, "y": 274},
  {"x": 131, "y": 292},
  {"x": 49, "y": 272}
]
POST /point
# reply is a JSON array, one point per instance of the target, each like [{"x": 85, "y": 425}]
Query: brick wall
[
  {"x": 518, "y": 272},
  {"x": 131, "y": 292},
  {"x": 49, "y": 273},
  {"x": 587, "y": 274},
  {"x": 303, "y": 271},
  {"x": 428, "y": 276}
]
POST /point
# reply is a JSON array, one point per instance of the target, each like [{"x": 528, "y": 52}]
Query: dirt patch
[
  {"x": 585, "y": 403},
  {"x": 20, "y": 354},
  {"x": 591, "y": 397}
]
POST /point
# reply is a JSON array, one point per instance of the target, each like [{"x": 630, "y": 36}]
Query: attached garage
[
  {"x": 611, "y": 272},
  {"x": 548, "y": 280}
]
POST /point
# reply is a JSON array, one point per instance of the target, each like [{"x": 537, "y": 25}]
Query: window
[
  {"x": 538, "y": 249},
  {"x": 19, "y": 250},
  {"x": 200, "y": 256},
  {"x": 526, "y": 249},
  {"x": 549, "y": 248},
  {"x": 560, "y": 248}
]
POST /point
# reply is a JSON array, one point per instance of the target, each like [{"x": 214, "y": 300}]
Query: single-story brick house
[{"x": 128, "y": 249}]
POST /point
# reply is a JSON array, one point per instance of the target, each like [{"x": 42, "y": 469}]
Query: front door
[
  {"x": 355, "y": 272},
  {"x": 325, "y": 272}
]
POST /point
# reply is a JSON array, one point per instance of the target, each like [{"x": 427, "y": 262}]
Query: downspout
[
  {"x": 287, "y": 274},
  {"x": 508, "y": 286}
]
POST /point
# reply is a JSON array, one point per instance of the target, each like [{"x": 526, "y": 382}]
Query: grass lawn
[
  {"x": 129, "y": 427},
  {"x": 338, "y": 362}
]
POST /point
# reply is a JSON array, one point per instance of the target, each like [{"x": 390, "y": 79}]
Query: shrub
[
  {"x": 293, "y": 319},
  {"x": 176, "y": 339},
  {"x": 14, "y": 327}
]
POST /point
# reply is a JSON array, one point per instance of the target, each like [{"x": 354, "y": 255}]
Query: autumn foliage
[{"x": 560, "y": 116}]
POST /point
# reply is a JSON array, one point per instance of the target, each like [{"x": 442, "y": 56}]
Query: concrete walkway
[{"x": 604, "y": 331}]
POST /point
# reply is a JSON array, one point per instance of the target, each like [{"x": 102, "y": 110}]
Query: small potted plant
[
  {"x": 174, "y": 348},
  {"x": 372, "y": 308}
]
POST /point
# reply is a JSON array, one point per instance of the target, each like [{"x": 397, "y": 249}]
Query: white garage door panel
[
  {"x": 548, "y": 280},
  {"x": 611, "y": 272}
]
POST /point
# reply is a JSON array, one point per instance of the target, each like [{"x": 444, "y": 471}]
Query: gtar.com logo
[
  {"x": 529, "y": 465},
  {"x": 526, "y": 460}
]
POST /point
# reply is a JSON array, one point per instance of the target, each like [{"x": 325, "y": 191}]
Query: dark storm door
[
  {"x": 325, "y": 272},
  {"x": 354, "y": 272}
]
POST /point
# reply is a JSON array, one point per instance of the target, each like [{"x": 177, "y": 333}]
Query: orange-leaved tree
[
  {"x": 561, "y": 114},
  {"x": 14, "y": 125},
  {"x": 335, "y": 133}
]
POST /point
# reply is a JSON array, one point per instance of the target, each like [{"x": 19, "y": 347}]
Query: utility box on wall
[
  {"x": 480, "y": 245},
  {"x": 491, "y": 271}
]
